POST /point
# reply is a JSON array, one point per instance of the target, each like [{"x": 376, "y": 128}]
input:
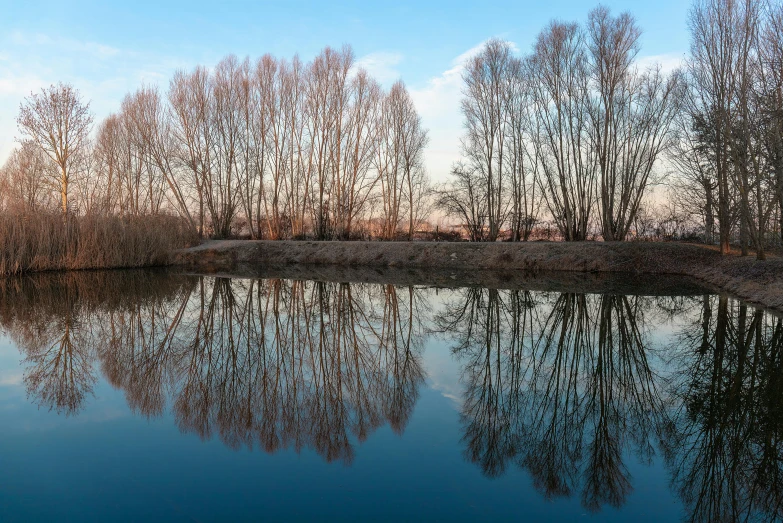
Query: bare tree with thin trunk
[
  {"x": 712, "y": 70},
  {"x": 631, "y": 115},
  {"x": 59, "y": 122},
  {"x": 569, "y": 163},
  {"x": 695, "y": 184},
  {"x": 26, "y": 180},
  {"x": 771, "y": 86},
  {"x": 522, "y": 163},
  {"x": 466, "y": 198},
  {"x": 487, "y": 79}
]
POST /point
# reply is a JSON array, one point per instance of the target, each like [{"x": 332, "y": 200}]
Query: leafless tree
[
  {"x": 189, "y": 99},
  {"x": 521, "y": 160},
  {"x": 734, "y": 106},
  {"x": 695, "y": 183},
  {"x": 631, "y": 115},
  {"x": 711, "y": 68},
  {"x": 487, "y": 78},
  {"x": 156, "y": 133},
  {"x": 130, "y": 182},
  {"x": 355, "y": 180},
  {"x": 326, "y": 106},
  {"x": 771, "y": 87},
  {"x": 59, "y": 122},
  {"x": 569, "y": 163},
  {"x": 225, "y": 115},
  {"x": 466, "y": 199},
  {"x": 273, "y": 149},
  {"x": 26, "y": 180}
]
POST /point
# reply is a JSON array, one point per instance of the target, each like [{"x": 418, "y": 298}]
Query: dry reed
[{"x": 43, "y": 241}]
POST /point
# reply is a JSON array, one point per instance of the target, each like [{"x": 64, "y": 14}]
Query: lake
[{"x": 155, "y": 395}]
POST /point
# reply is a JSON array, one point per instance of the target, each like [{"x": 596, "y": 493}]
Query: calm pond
[{"x": 147, "y": 395}]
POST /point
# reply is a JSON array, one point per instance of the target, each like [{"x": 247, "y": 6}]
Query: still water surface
[{"x": 156, "y": 396}]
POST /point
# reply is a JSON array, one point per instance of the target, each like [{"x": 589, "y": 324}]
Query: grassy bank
[
  {"x": 756, "y": 281},
  {"x": 43, "y": 242}
]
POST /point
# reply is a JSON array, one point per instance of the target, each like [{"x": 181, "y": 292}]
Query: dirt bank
[{"x": 755, "y": 281}]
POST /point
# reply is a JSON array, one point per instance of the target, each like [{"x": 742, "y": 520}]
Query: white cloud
[
  {"x": 438, "y": 103},
  {"x": 381, "y": 66},
  {"x": 668, "y": 62},
  {"x": 103, "y": 74},
  {"x": 93, "y": 49},
  {"x": 10, "y": 379}
]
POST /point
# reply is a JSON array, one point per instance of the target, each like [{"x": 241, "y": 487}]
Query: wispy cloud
[
  {"x": 94, "y": 49},
  {"x": 102, "y": 73},
  {"x": 10, "y": 379},
  {"x": 668, "y": 62},
  {"x": 438, "y": 102},
  {"x": 382, "y": 66}
]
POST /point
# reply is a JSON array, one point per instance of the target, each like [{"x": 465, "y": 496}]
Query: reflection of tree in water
[
  {"x": 49, "y": 318},
  {"x": 267, "y": 363},
  {"x": 562, "y": 386},
  {"x": 559, "y": 384},
  {"x": 725, "y": 445}
]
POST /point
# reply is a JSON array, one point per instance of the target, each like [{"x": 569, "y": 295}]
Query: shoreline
[{"x": 757, "y": 282}]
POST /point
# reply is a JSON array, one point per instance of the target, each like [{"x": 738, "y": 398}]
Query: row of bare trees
[
  {"x": 573, "y": 129},
  {"x": 272, "y": 148},
  {"x": 730, "y": 151},
  {"x": 575, "y": 132}
]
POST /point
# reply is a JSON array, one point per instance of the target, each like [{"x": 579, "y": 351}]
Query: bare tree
[
  {"x": 630, "y": 118},
  {"x": 226, "y": 127},
  {"x": 155, "y": 131},
  {"x": 59, "y": 122},
  {"x": 695, "y": 184},
  {"x": 326, "y": 105},
  {"x": 521, "y": 159},
  {"x": 26, "y": 179},
  {"x": 355, "y": 180},
  {"x": 130, "y": 183},
  {"x": 466, "y": 198},
  {"x": 400, "y": 161},
  {"x": 569, "y": 163},
  {"x": 486, "y": 80},
  {"x": 275, "y": 149},
  {"x": 711, "y": 68},
  {"x": 771, "y": 87}
]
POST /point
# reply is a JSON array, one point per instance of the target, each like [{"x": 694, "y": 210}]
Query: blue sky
[{"x": 107, "y": 49}]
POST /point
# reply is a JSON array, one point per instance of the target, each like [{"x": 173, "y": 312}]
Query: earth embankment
[{"x": 760, "y": 282}]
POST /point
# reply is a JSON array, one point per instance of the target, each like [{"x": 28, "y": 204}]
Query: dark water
[{"x": 152, "y": 396}]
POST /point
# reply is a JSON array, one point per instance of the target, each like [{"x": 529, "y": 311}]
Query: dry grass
[{"x": 43, "y": 242}]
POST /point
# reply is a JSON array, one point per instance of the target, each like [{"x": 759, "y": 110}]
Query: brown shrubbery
[{"x": 45, "y": 241}]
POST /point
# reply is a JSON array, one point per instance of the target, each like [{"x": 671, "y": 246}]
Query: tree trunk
[
  {"x": 709, "y": 220},
  {"x": 64, "y": 190}
]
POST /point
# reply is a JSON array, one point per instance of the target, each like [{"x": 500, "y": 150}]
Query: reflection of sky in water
[{"x": 107, "y": 463}]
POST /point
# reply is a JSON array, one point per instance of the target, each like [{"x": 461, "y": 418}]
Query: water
[{"x": 156, "y": 396}]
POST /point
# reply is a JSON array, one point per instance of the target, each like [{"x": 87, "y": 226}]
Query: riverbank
[{"x": 760, "y": 282}]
